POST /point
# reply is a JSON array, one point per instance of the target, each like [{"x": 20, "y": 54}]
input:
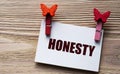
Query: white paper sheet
[{"x": 71, "y": 33}]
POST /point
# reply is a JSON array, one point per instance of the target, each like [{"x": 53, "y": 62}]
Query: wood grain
[{"x": 19, "y": 27}]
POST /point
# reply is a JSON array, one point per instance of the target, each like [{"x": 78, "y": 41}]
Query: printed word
[{"x": 71, "y": 47}]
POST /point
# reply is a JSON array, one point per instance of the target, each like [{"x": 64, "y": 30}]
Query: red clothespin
[
  {"x": 49, "y": 13},
  {"x": 100, "y": 19}
]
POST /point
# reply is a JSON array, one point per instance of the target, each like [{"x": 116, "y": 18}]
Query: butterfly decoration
[
  {"x": 98, "y": 16},
  {"x": 46, "y": 10},
  {"x": 100, "y": 19},
  {"x": 49, "y": 13}
]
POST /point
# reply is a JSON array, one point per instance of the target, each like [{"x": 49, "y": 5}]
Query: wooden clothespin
[
  {"x": 100, "y": 19},
  {"x": 49, "y": 13}
]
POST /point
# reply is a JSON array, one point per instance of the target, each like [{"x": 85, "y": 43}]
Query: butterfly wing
[
  {"x": 53, "y": 10},
  {"x": 105, "y": 16},
  {"x": 44, "y": 9},
  {"x": 96, "y": 14}
]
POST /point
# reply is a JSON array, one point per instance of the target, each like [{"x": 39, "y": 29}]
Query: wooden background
[{"x": 19, "y": 28}]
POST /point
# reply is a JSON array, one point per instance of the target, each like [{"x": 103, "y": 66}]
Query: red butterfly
[
  {"x": 98, "y": 16},
  {"x": 47, "y": 10}
]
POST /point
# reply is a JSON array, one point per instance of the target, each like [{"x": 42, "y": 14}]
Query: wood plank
[{"x": 19, "y": 28}]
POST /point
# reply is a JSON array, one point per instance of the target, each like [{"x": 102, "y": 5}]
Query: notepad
[{"x": 69, "y": 46}]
